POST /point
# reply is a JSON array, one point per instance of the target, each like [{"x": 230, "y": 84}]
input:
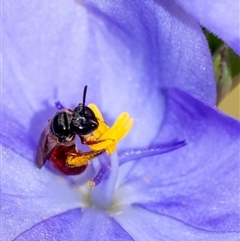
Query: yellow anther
[
  {"x": 109, "y": 137},
  {"x": 102, "y": 125}
]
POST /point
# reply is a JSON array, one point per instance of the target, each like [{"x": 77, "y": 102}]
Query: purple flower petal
[
  {"x": 144, "y": 225},
  {"x": 198, "y": 183},
  {"x": 77, "y": 224},
  {"x": 220, "y": 17},
  {"x": 29, "y": 195},
  {"x": 127, "y": 53}
]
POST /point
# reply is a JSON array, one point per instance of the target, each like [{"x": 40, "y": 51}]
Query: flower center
[{"x": 106, "y": 138}]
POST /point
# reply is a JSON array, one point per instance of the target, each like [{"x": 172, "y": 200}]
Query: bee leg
[
  {"x": 77, "y": 158},
  {"x": 58, "y": 105},
  {"x": 90, "y": 141}
]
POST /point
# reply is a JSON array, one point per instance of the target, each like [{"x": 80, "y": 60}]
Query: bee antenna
[{"x": 84, "y": 95}]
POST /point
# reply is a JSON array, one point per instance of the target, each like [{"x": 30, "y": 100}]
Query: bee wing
[{"x": 45, "y": 147}]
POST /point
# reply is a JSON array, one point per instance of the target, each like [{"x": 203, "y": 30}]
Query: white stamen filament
[{"x": 101, "y": 196}]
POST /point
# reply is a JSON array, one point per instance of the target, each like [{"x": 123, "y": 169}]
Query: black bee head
[{"x": 83, "y": 120}]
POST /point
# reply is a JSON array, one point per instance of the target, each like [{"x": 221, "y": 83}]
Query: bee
[{"x": 57, "y": 141}]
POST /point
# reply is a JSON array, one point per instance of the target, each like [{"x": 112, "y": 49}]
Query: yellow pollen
[
  {"x": 108, "y": 137},
  {"x": 91, "y": 184}
]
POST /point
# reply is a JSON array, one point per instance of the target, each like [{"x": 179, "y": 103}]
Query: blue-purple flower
[{"x": 130, "y": 54}]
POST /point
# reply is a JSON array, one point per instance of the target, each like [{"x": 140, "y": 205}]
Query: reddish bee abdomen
[{"x": 58, "y": 160}]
